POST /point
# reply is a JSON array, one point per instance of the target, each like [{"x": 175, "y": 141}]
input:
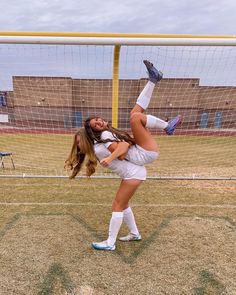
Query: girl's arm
[
  {"x": 118, "y": 151},
  {"x": 113, "y": 146}
]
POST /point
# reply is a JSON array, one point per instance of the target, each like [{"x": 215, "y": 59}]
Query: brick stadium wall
[
  {"x": 43, "y": 91},
  {"x": 55, "y": 102}
]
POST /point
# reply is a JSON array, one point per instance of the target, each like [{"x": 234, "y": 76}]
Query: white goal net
[{"x": 47, "y": 91}]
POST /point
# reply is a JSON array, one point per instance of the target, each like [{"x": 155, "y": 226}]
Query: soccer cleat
[
  {"x": 103, "y": 246},
  {"x": 172, "y": 124},
  {"x": 153, "y": 73},
  {"x": 130, "y": 237}
]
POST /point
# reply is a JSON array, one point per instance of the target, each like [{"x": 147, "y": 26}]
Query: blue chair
[{"x": 2, "y": 157}]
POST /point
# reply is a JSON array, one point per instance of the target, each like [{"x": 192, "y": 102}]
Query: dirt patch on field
[{"x": 51, "y": 254}]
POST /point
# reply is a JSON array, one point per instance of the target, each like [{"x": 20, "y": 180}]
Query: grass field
[
  {"x": 188, "y": 227},
  {"x": 47, "y": 226},
  {"x": 203, "y": 156}
]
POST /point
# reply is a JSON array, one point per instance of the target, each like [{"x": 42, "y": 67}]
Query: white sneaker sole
[
  {"x": 135, "y": 239},
  {"x": 103, "y": 248}
]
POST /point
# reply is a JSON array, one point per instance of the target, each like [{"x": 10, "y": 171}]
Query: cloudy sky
[
  {"x": 124, "y": 16},
  {"x": 131, "y": 16}
]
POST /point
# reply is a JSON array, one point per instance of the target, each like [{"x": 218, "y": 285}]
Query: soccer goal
[{"x": 51, "y": 82}]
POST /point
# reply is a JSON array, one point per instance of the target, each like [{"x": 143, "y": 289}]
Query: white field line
[{"x": 223, "y": 206}]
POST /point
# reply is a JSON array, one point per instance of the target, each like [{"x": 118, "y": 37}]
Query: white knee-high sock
[
  {"x": 130, "y": 221},
  {"x": 145, "y": 96},
  {"x": 154, "y": 122},
  {"x": 114, "y": 227}
]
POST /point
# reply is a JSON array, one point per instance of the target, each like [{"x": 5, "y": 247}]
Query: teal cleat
[{"x": 103, "y": 246}]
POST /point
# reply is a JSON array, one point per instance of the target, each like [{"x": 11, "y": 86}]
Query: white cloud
[{"x": 150, "y": 16}]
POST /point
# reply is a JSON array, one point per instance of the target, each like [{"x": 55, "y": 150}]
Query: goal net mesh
[{"x": 47, "y": 91}]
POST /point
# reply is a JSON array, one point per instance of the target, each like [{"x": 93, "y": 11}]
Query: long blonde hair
[{"x": 77, "y": 155}]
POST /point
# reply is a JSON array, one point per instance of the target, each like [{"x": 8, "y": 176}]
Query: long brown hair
[
  {"x": 95, "y": 136},
  {"x": 77, "y": 155}
]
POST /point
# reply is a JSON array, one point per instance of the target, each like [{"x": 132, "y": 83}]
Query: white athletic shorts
[
  {"x": 139, "y": 156},
  {"x": 136, "y": 154},
  {"x": 125, "y": 169}
]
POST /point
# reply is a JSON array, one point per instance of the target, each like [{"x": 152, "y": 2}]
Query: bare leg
[
  {"x": 141, "y": 135},
  {"x": 142, "y": 104},
  {"x": 125, "y": 192}
]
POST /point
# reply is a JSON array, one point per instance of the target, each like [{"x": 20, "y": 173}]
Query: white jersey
[
  {"x": 136, "y": 154},
  {"x": 124, "y": 169}
]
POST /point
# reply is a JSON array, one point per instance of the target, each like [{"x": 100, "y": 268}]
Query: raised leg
[{"x": 144, "y": 98}]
